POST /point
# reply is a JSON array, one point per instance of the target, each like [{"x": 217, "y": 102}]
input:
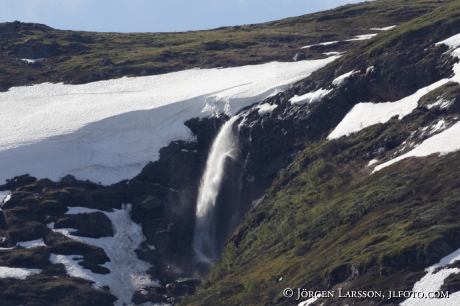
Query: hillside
[
  {"x": 334, "y": 171},
  {"x": 77, "y": 57}
]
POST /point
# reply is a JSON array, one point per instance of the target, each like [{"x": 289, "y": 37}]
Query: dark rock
[
  {"x": 105, "y": 62},
  {"x": 93, "y": 225},
  {"x": 68, "y": 179},
  {"x": 30, "y": 41},
  {"x": 299, "y": 57},
  {"x": 46, "y": 50},
  {"x": 64, "y": 59},
  {"x": 18, "y": 181},
  {"x": 3, "y": 70},
  {"x": 27, "y": 53},
  {"x": 150, "y": 204}
]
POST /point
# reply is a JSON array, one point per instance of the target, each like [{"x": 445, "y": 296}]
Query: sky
[{"x": 156, "y": 15}]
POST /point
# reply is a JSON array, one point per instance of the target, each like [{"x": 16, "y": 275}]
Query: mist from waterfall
[{"x": 224, "y": 146}]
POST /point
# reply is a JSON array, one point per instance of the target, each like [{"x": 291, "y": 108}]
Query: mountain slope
[
  {"x": 326, "y": 222},
  {"x": 81, "y": 57},
  {"x": 303, "y": 200}
]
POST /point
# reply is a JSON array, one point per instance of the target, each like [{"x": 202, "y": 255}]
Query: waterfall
[{"x": 224, "y": 147}]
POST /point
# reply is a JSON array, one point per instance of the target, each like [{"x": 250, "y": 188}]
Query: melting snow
[
  {"x": 383, "y": 29},
  {"x": 339, "y": 80},
  {"x": 321, "y": 44},
  {"x": 4, "y": 197},
  {"x": 333, "y": 53},
  {"x": 363, "y": 115},
  {"x": 310, "y": 97},
  {"x": 362, "y": 37},
  {"x": 128, "y": 273},
  {"x": 266, "y": 108},
  {"x": 109, "y": 130},
  {"x": 451, "y": 42},
  {"x": 20, "y": 273},
  {"x": 32, "y": 244},
  {"x": 372, "y": 162},
  {"x": 433, "y": 281},
  {"x": 32, "y": 61},
  {"x": 308, "y": 302}
]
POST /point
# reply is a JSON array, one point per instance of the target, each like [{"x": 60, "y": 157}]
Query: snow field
[
  {"x": 433, "y": 281},
  {"x": 363, "y": 115},
  {"x": 310, "y": 97},
  {"x": 362, "y": 37},
  {"x": 108, "y": 131},
  {"x": 127, "y": 272}
]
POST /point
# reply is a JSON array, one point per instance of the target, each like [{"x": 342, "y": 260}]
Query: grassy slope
[
  {"x": 326, "y": 213},
  {"x": 153, "y": 53}
]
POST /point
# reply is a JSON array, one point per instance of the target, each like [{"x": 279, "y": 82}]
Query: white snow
[
  {"x": 366, "y": 114},
  {"x": 339, "y": 80},
  {"x": 266, "y": 108},
  {"x": 32, "y": 61},
  {"x": 310, "y": 97},
  {"x": 383, "y": 29},
  {"x": 4, "y": 196},
  {"x": 362, "y": 37},
  {"x": 308, "y": 302},
  {"x": 107, "y": 131},
  {"x": 333, "y": 53},
  {"x": 32, "y": 244},
  {"x": 451, "y": 42},
  {"x": 444, "y": 142},
  {"x": 321, "y": 44},
  {"x": 80, "y": 210},
  {"x": 128, "y": 273},
  {"x": 371, "y": 162},
  {"x": 433, "y": 281},
  {"x": 20, "y": 273},
  {"x": 363, "y": 115}
]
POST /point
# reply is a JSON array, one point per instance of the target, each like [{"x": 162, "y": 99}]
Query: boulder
[
  {"x": 299, "y": 57},
  {"x": 69, "y": 179},
  {"x": 105, "y": 62},
  {"x": 27, "y": 52},
  {"x": 150, "y": 204},
  {"x": 30, "y": 41}
]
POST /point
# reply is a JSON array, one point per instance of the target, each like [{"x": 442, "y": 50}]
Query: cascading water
[{"x": 225, "y": 146}]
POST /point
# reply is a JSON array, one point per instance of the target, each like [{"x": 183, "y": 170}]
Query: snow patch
[
  {"x": 451, "y": 42},
  {"x": 308, "y": 302},
  {"x": 4, "y": 197},
  {"x": 108, "y": 131},
  {"x": 19, "y": 273},
  {"x": 266, "y": 108},
  {"x": 363, "y": 115},
  {"x": 333, "y": 53},
  {"x": 32, "y": 61},
  {"x": 373, "y": 161},
  {"x": 310, "y": 97},
  {"x": 443, "y": 143},
  {"x": 339, "y": 80},
  {"x": 127, "y": 272},
  {"x": 321, "y": 44},
  {"x": 433, "y": 281},
  {"x": 32, "y": 244},
  {"x": 383, "y": 29},
  {"x": 362, "y": 37}
]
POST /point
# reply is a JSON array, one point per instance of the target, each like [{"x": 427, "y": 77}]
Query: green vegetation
[{"x": 326, "y": 214}]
